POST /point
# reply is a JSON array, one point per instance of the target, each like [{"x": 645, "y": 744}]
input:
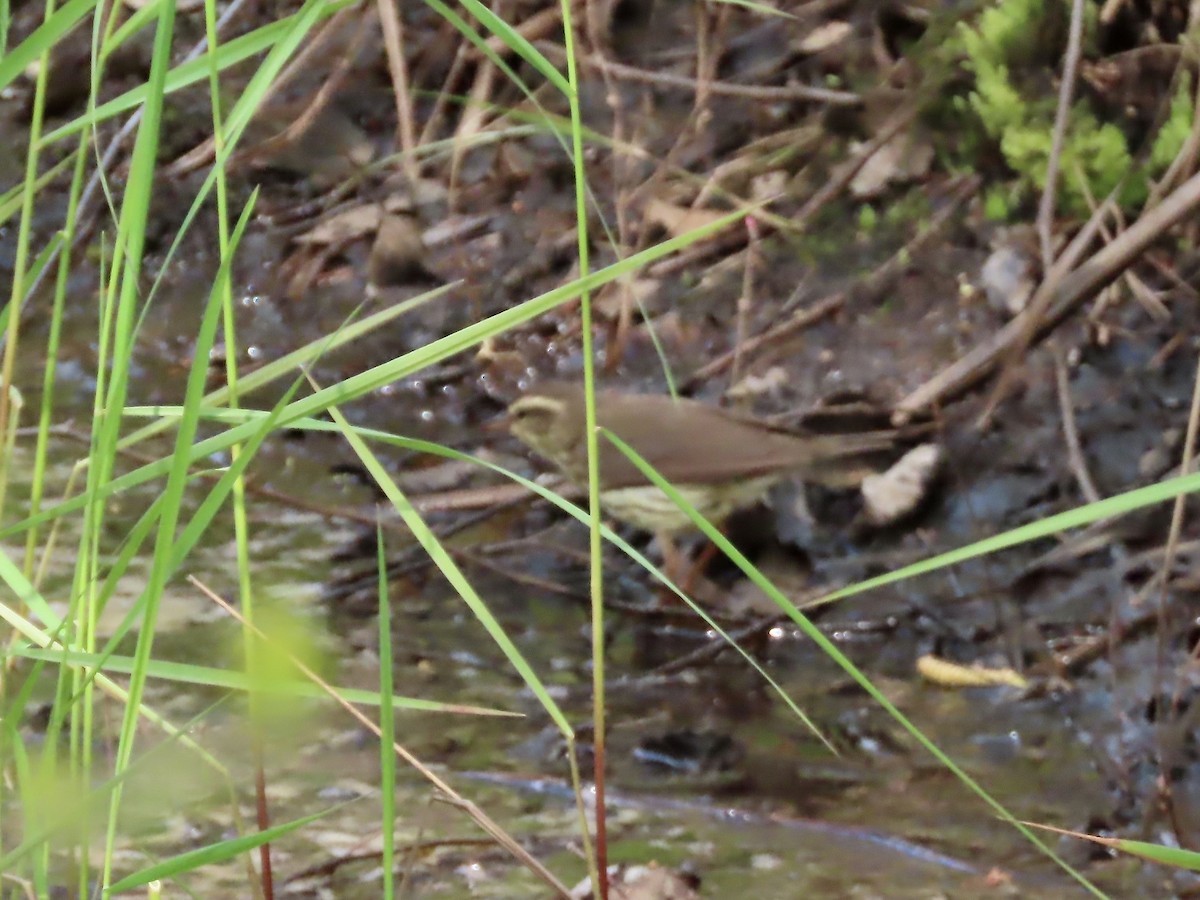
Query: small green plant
[
  {"x": 1174, "y": 131},
  {"x": 1006, "y": 52}
]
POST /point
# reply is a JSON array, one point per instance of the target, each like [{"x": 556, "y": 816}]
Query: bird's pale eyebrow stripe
[{"x": 536, "y": 404}]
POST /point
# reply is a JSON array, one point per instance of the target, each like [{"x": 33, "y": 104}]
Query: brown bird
[{"x": 718, "y": 460}]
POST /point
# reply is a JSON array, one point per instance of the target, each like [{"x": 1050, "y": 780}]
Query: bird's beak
[{"x": 498, "y": 425}]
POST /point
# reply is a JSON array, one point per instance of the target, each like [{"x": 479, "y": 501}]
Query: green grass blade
[
  {"x": 238, "y": 680},
  {"x": 43, "y": 39},
  {"x": 831, "y": 650},
  {"x": 373, "y": 379},
  {"x": 287, "y": 365},
  {"x": 230, "y": 53},
  {"x": 516, "y": 42},
  {"x": 214, "y": 853},
  {"x": 387, "y": 724},
  {"x": 449, "y": 569}
]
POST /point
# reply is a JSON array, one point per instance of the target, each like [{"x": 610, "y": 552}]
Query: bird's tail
[
  {"x": 844, "y": 460},
  {"x": 857, "y": 440}
]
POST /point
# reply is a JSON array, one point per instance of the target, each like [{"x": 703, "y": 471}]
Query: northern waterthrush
[{"x": 718, "y": 460}]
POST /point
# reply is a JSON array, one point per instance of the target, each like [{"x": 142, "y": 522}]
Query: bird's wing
[{"x": 691, "y": 443}]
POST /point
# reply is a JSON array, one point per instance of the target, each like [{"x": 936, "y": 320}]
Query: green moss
[
  {"x": 907, "y": 211},
  {"x": 1007, "y": 52},
  {"x": 996, "y": 204},
  {"x": 867, "y": 218},
  {"x": 1093, "y": 151},
  {"x": 1002, "y": 31},
  {"x": 1169, "y": 140}
]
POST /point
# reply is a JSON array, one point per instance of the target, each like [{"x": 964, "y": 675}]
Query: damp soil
[{"x": 709, "y": 770}]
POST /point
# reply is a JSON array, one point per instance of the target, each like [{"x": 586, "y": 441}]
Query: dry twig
[
  {"x": 87, "y": 209},
  {"x": 205, "y": 151},
  {"x": 1070, "y": 433},
  {"x": 392, "y": 25},
  {"x": 745, "y": 300},
  {"x": 837, "y": 182},
  {"x": 498, "y": 834},
  {"x": 1045, "y": 217},
  {"x": 1051, "y": 306},
  {"x": 716, "y": 88},
  {"x": 874, "y": 286}
]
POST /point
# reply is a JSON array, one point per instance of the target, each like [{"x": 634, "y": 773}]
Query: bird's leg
[
  {"x": 676, "y": 565},
  {"x": 674, "y": 562},
  {"x": 696, "y": 570}
]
